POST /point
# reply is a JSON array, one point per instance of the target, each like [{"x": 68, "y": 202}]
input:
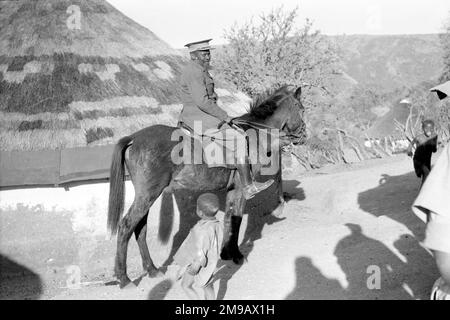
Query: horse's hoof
[
  {"x": 238, "y": 260},
  {"x": 125, "y": 283},
  {"x": 155, "y": 273},
  {"x": 129, "y": 286}
]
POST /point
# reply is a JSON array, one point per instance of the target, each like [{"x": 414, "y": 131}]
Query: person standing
[
  {"x": 426, "y": 145},
  {"x": 198, "y": 255}
]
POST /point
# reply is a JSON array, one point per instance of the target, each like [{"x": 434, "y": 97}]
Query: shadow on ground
[
  {"x": 372, "y": 271},
  {"x": 159, "y": 291},
  {"x": 17, "y": 282},
  {"x": 393, "y": 198}
]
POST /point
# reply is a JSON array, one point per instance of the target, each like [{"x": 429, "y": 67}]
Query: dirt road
[
  {"x": 347, "y": 232},
  {"x": 342, "y": 226}
]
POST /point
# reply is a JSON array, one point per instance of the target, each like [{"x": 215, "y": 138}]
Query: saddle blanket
[{"x": 221, "y": 148}]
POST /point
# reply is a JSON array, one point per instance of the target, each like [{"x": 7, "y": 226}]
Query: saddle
[
  {"x": 217, "y": 152},
  {"x": 212, "y": 151}
]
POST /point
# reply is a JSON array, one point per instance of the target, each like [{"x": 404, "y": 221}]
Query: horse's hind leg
[
  {"x": 123, "y": 236},
  {"x": 141, "y": 237},
  {"x": 127, "y": 226}
]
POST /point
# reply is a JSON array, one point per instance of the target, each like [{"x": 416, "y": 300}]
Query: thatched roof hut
[
  {"x": 442, "y": 90},
  {"x": 80, "y": 73},
  {"x": 385, "y": 125}
]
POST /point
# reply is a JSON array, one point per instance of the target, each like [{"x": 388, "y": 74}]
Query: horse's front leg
[
  {"x": 280, "y": 194},
  {"x": 233, "y": 217}
]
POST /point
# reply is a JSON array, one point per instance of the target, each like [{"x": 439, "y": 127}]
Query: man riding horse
[
  {"x": 200, "y": 105},
  {"x": 148, "y": 157}
]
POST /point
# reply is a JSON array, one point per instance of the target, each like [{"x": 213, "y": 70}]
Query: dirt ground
[{"x": 341, "y": 226}]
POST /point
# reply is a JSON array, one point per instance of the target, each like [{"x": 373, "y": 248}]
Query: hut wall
[{"x": 64, "y": 167}]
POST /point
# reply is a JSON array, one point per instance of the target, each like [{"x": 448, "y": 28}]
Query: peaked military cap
[{"x": 199, "y": 45}]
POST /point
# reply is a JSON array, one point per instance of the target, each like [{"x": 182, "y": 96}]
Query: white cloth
[
  {"x": 435, "y": 193},
  {"x": 432, "y": 205}
]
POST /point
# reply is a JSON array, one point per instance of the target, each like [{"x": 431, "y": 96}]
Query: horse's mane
[{"x": 265, "y": 104}]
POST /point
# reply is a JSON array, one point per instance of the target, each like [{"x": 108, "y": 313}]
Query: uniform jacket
[{"x": 199, "y": 99}]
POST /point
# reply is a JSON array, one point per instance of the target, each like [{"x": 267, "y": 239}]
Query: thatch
[{"x": 62, "y": 87}]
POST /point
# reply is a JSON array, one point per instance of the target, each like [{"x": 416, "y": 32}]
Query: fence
[{"x": 54, "y": 168}]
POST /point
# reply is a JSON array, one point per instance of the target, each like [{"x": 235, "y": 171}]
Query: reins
[{"x": 257, "y": 125}]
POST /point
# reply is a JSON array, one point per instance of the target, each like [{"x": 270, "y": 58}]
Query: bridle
[{"x": 256, "y": 125}]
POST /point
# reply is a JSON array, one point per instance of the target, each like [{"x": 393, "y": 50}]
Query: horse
[{"x": 153, "y": 172}]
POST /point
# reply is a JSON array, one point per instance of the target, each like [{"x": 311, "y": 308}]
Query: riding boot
[
  {"x": 250, "y": 187},
  {"x": 234, "y": 239}
]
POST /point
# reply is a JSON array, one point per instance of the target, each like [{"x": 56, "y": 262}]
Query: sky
[{"x": 178, "y": 22}]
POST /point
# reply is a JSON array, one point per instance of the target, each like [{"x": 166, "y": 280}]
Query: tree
[
  {"x": 445, "y": 40},
  {"x": 443, "y": 111},
  {"x": 272, "y": 52}
]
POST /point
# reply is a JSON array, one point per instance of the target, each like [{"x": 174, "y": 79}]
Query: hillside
[
  {"x": 378, "y": 72},
  {"x": 391, "y": 61},
  {"x": 388, "y": 61}
]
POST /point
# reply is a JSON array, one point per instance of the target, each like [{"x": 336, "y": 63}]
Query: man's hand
[{"x": 229, "y": 120}]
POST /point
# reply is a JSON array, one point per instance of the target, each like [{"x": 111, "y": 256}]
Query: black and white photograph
[{"x": 246, "y": 151}]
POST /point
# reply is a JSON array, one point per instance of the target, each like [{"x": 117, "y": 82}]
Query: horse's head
[
  {"x": 282, "y": 110},
  {"x": 293, "y": 111}
]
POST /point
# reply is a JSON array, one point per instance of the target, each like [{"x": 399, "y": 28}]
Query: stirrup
[{"x": 252, "y": 189}]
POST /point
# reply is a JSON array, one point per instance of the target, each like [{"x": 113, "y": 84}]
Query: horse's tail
[{"x": 117, "y": 185}]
